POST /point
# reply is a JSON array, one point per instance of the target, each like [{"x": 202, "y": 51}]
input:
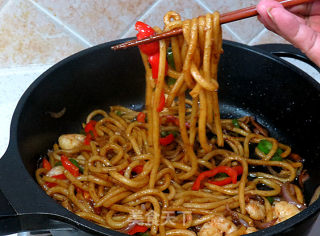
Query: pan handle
[
  {"x": 287, "y": 50},
  {"x": 8, "y": 217}
]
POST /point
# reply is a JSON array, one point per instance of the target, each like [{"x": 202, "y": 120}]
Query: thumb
[{"x": 296, "y": 31}]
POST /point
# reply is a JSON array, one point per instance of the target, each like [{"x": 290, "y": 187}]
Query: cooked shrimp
[
  {"x": 70, "y": 141},
  {"x": 284, "y": 210},
  {"x": 57, "y": 170},
  {"x": 218, "y": 226},
  {"x": 250, "y": 230},
  {"x": 256, "y": 210}
]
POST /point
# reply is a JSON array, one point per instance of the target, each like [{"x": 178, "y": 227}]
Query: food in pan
[{"x": 176, "y": 168}]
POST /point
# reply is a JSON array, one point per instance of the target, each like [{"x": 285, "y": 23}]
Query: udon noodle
[{"x": 177, "y": 169}]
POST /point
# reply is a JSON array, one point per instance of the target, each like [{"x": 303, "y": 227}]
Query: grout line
[
  {"x": 2, "y": 6},
  {"x": 125, "y": 32},
  {"x": 204, "y": 5},
  {"x": 257, "y": 36},
  {"x": 240, "y": 40},
  {"x": 57, "y": 20}
]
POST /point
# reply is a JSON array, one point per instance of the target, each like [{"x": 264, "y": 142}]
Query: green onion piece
[
  {"x": 58, "y": 163},
  {"x": 83, "y": 132},
  {"x": 279, "y": 151},
  {"x": 170, "y": 81},
  {"x": 170, "y": 58},
  {"x": 73, "y": 161},
  {"x": 235, "y": 122},
  {"x": 175, "y": 133},
  {"x": 276, "y": 157},
  {"x": 163, "y": 134},
  {"x": 264, "y": 146},
  {"x": 91, "y": 133},
  {"x": 220, "y": 175},
  {"x": 270, "y": 199},
  {"x": 118, "y": 113},
  {"x": 143, "y": 234}
]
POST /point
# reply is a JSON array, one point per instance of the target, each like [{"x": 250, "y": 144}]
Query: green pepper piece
[
  {"x": 58, "y": 163},
  {"x": 170, "y": 81},
  {"x": 264, "y": 146},
  {"x": 220, "y": 175},
  {"x": 118, "y": 113},
  {"x": 276, "y": 157},
  {"x": 270, "y": 199},
  {"x": 170, "y": 58},
  {"x": 163, "y": 134},
  {"x": 73, "y": 161},
  {"x": 175, "y": 133},
  {"x": 235, "y": 122}
]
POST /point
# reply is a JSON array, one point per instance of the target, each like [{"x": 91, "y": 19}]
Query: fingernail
[{"x": 269, "y": 13}]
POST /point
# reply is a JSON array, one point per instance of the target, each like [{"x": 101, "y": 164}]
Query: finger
[
  {"x": 294, "y": 29},
  {"x": 263, "y": 9},
  {"x": 307, "y": 9}
]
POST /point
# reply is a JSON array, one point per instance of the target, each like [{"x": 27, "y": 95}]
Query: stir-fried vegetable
[
  {"x": 167, "y": 140},
  {"x": 170, "y": 81},
  {"x": 69, "y": 166},
  {"x": 141, "y": 117},
  {"x": 231, "y": 172},
  {"x": 162, "y": 102},
  {"x": 138, "y": 229},
  {"x": 170, "y": 58},
  {"x": 265, "y": 146},
  {"x": 154, "y": 63},
  {"x": 46, "y": 164},
  {"x": 235, "y": 122},
  {"x": 145, "y": 31}
]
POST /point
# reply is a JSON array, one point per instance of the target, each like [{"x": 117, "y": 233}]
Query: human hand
[{"x": 300, "y": 25}]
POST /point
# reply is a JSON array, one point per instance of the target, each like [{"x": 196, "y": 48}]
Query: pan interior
[{"x": 284, "y": 100}]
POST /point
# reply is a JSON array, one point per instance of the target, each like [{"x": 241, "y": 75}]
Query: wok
[{"x": 252, "y": 82}]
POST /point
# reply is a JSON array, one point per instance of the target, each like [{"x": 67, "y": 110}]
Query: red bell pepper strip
[
  {"x": 162, "y": 102},
  {"x": 227, "y": 180},
  {"x": 61, "y": 176},
  {"x": 167, "y": 140},
  {"x": 138, "y": 169},
  {"x": 173, "y": 119},
  {"x": 69, "y": 166},
  {"x": 145, "y": 31},
  {"x": 141, "y": 117},
  {"x": 50, "y": 185},
  {"x": 138, "y": 229},
  {"x": 46, "y": 164},
  {"x": 90, "y": 131},
  {"x": 210, "y": 173},
  {"x": 154, "y": 62}
]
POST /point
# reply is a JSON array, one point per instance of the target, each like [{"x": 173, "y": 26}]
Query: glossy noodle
[{"x": 176, "y": 168}]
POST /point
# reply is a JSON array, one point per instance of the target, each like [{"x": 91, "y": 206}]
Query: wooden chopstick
[{"x": 224, "y": 18}]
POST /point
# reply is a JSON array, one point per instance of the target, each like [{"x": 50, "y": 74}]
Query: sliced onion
[
  {"x": 285, "y": 190},
  {"x": 303, "y": 177},
  {"x": 263, "y": 225},
  {"x": 258, "y": 127}
]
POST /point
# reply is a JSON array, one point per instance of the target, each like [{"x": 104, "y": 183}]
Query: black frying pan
[{"x": 252, "y": 82}]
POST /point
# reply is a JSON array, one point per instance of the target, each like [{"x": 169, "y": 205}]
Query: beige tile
[
  {"x": 246, "y": 29},
  {"x": 30, "y": 37},
  {"x": 95, "y": 20},
  {"x": 268, "y": 37},
  {"x": 154, "y": 17},
  {"x": 228, "y": 35},
  {"x": 2, "y": 2}
]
